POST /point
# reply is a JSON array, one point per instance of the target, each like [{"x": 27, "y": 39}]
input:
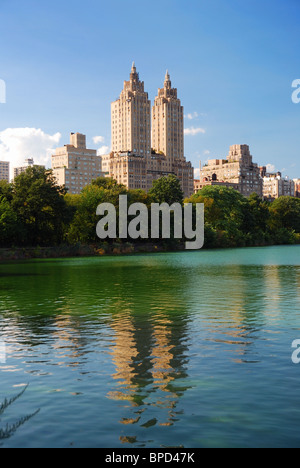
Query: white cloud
[
  {"x": 206, "y": 152},
  {"x": 98, "y": 139},
  {"x": 103, "y": 150},
  {"x": 271, "y": 168},
  {"x": 192, "y": 116},
  {"x": 194, "y": 131},
  {"x": 18, "y": 144}
]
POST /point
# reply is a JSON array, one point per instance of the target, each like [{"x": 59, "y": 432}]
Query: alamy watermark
[
  {"x": 2, "y": 92},
  {"x": 296, "y": 93},
  {"x": 135, "y": 222},
  {"x": 296, "y": 353}
]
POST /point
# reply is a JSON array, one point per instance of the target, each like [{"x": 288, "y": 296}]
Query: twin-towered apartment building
[{"x": 147, "y": 145}]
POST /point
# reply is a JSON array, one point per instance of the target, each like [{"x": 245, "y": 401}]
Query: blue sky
[{"x": 232, "y": 61}]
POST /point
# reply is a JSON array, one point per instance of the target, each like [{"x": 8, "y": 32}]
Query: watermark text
[
  {"x": 135, "y": 222},
  {"x": 296, "y": 353},
  {"x": 296, "y": 93}
]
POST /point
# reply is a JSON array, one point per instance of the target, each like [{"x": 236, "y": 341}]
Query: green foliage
[
  {"x": 83, "y": 226},
  {"x": 9, "y": 226},
  {"x": 6, "y": 190},
  {"x": 285, "y": 213},
  {"x": 40, "y": 206},
  {"x": 35, "y": 212},
  {"x": 167, "y": 190},
  {"x": 232, "y": 220},
  {"x": 105, "y": 182}
]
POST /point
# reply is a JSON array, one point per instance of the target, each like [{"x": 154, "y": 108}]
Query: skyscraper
[
  {"x": 132, "y": 161},
  {"x": 168, "y": 123},
  {"x": 131, "y": 118}
]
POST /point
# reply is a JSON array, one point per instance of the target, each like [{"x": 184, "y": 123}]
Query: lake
[{"x": 187, "y": 349}]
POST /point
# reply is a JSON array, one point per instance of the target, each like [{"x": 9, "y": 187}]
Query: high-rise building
[
  {"x": 29, "y": 162},
  {"x": 237, "y": 169},
  {"x": 131, "y": 118},
  {"x": 4, "y": 170},
  {"x": 75, "y": 166},
  {"x": 168, "y": 136},
  {"x": 168, "y": 123},
  {"x": 132, "y": 162}
]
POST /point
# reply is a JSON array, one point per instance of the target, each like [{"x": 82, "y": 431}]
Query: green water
[{"x": 188, "y": 349}]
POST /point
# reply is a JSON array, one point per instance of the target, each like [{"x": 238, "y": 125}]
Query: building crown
[
  {"x": 168, "y": 83},
  {"x": 134, "y": 76}
]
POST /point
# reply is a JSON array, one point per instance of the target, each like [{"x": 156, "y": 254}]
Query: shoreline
[
  {"x": 67, "y": 251},
  {"x": 106, "y": 250}
]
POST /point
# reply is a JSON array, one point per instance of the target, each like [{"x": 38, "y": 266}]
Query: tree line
[{"x": 34, "y": 211}]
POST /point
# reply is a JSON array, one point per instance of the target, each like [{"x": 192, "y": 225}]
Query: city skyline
[{"x": 234, "y": 70}]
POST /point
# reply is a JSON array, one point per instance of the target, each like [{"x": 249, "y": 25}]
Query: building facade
[
  {"x": 75, "y": 166},
  {"x": 275, "y": 186},
  {"x": 4, "y": 171},
  {"x": 131, "y": 118},
  {"x": 297, "y": 187},
  {"x": 133, "y": 162},
  {"x": 168, "y": 124},
  {"x": 29, "y": 162},
  {"x": 237, "y": 170},
  {"x": 199, "y": 185}
]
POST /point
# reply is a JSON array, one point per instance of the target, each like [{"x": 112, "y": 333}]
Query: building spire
[
  {"x": 168, "y": 83},
  {"x": 133, "y": 68}
]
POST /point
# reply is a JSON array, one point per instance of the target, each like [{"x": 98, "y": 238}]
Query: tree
[
  {"x": 40, "y": 206},
  {"x": 6, "y": 190},
  {"x": 83, "y": 226},
  {"x": 260, "y": 212},
  {"x": 105, "y": 182},
  {"x": 9, "y": 225},
  {"x": 285, "y": 213},
  {"x": 222, "y": 205},
  {"x": 228, "y": 215},
  {"x": 167, "y": 190}
]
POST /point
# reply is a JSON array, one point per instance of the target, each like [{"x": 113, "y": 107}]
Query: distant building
[
  {"x": 132, "y": 161},
  {"x": 199, "y": 185},
  {"x": 75, "y": 166},
  {"x": 275, "y": 186},
  {"x": 264, "y": 173},
  {"x": 238, "y": 171},
  {"x": 29, "y": 162},
  {"x": 297, "y": 187},
  {"x": 4, "y": 170}
]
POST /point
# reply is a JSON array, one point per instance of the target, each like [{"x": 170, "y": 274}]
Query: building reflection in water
[
  {"x": 66, "y": 341},
  {"x": 148, "y": 361},
  {"x": 163, "y": 372},
  {"x": 124, "y": 353}
]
